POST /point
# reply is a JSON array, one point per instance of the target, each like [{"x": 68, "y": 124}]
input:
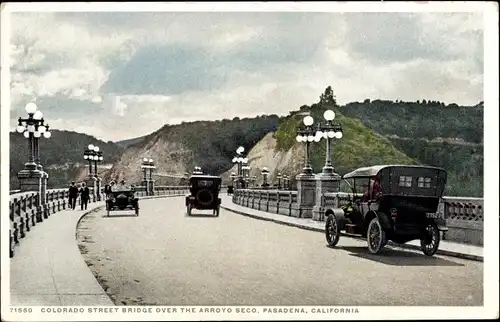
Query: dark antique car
[
  {"x": 391, "y": 202},
  {"x": 122, "y": 198},
  {"x": 204, "y": 193}
]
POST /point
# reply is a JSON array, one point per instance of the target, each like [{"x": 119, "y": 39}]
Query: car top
[{"x": 374, "y": 170}]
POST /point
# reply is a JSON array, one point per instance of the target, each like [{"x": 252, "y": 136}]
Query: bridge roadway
[{"x": 164, "y": 257}]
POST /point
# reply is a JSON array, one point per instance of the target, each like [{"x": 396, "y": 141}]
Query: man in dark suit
[
  {"x": 73, "y": 194},
  {"x": 84, "y": 196}
]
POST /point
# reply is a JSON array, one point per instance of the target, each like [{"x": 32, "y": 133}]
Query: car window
[
  {"x": 205, "y": 183},
  {"x": 362, "y": 185}
]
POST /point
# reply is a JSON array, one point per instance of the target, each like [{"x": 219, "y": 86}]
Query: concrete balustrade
[
  {"x": 26, "y": 209},
  {"x": 464, "y": 216}
]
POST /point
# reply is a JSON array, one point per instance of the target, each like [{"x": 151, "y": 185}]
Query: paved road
[{"x": 164, "y": 257}]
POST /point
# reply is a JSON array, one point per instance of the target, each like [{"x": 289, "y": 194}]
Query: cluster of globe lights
[
  {"x": 240, "y": 159},
  {"x": 93, "y": 148},
  {"x": 146, "y": 160},
  {"x": 329, "y": 115},
  {"x": 31, "y": 109}
]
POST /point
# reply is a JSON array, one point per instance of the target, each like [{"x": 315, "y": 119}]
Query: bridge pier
[
  {"x": 325, "y": 182},
  {"x": 30, "y": 180},
  {"x": 91, "y": 183},
  {"x": 151, "y": 187},
  {"x": 306, "y": 194}
]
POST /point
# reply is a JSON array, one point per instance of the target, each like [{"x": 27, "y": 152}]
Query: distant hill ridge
[{"x": 378, "y": 130}]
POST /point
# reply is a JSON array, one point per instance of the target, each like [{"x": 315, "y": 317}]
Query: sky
[{"x": 119, "y": 75}]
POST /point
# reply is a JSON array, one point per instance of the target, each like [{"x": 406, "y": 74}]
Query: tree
[{"x": 328, "y": 97}]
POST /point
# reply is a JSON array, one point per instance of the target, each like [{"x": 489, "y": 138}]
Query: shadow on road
[
  {"x": 207, "y": 215},
  {"x": 396, "y": 257},
  {"x": 119, "y": 216}
]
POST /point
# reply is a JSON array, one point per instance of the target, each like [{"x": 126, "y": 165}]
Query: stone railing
[
  {"x": 464, "y": 216},
  {"x": 27, "y": 209}
]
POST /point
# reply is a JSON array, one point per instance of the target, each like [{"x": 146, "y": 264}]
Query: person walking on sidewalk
[
  {"x": 73, "y": 194},
  {"x": 84, "y": 196}
]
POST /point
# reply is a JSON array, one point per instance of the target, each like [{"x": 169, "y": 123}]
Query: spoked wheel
[
  {"x": 375, "y": 236},
  {"x": 429, "y": 243},
  {"x": 332, "y": 230}
]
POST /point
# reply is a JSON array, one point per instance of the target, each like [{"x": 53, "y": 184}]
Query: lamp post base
[
  {"x": 325, "y": 182},
  {"x": 30, "y": 180},
  {"x": 91, "y": 183},
  {"x": 145, "y": 184},
  {"x": 306, "y": 194},
  {"x": 151, "y": 187},
  {"x": 98, "y": 182},
  {"x": 43, "y": 188}
]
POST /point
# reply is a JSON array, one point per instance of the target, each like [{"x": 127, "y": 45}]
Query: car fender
[
  {"x": 384, "y": 220},
  {"x": 440, "y": 223},
  {"x": 338, "y": 213}
]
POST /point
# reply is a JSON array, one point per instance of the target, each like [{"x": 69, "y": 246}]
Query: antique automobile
[
  {"x": 204, "y": 194},
  {"x": 122, "y": 198},
  {"x": 396, "y": 203}
]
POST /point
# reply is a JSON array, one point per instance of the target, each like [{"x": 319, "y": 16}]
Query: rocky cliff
[
  {"x": 170, "y": 157},
  {"x": 264, "y": 154}
]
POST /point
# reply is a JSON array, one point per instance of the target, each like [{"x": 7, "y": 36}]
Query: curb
[{"x": 407, "y": 246}]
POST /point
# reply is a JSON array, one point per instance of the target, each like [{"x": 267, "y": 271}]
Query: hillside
[
  {"x": 426, "y": 119},
  {"x": 176, "y": 149},
  {"x": 377, "y": 132},
  {"x": 280, "y": 152},
  {"x": 126, "y": 143},
  {"x": 61, "y": 156},
  {"x": 450, "y": 136}
]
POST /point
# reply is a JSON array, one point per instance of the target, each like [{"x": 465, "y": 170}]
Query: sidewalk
[
  {"x": 48, "y": 268},
  {"x": 445, "y": 247}
]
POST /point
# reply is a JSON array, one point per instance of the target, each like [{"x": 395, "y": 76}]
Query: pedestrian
[
  {"x": 107, "y": 190},
  {"x": 84, "y": 196},
  {"x": 73, "y": 194}
]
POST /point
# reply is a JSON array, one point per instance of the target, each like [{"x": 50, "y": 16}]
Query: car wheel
[
  {"x": 375, "y": 236},
  {"x": 332, "y": 230},
  {"x": 429, "y": 243}
]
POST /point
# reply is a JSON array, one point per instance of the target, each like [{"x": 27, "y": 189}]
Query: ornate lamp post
[
  {"x": 32, "y": 128},
  {"x": 285, "y": 182},
  {"x": 328, "y": 131},
  {"x": 88, "y": 155},
  {"x": 239, "y": 160},
  {"x": 306, "y": 135},
  {"x": 97, "y": 158},
  {"x": 232, "y": 177},
  {"x": 32, "y": 177},
  {"x": 265, "y": 173},
  {"x": 254, "y": 180},
  {"x": 93, "y": 155},
  {"x": 147, "y": 167},
  {"x": 245, "y": 169}
]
